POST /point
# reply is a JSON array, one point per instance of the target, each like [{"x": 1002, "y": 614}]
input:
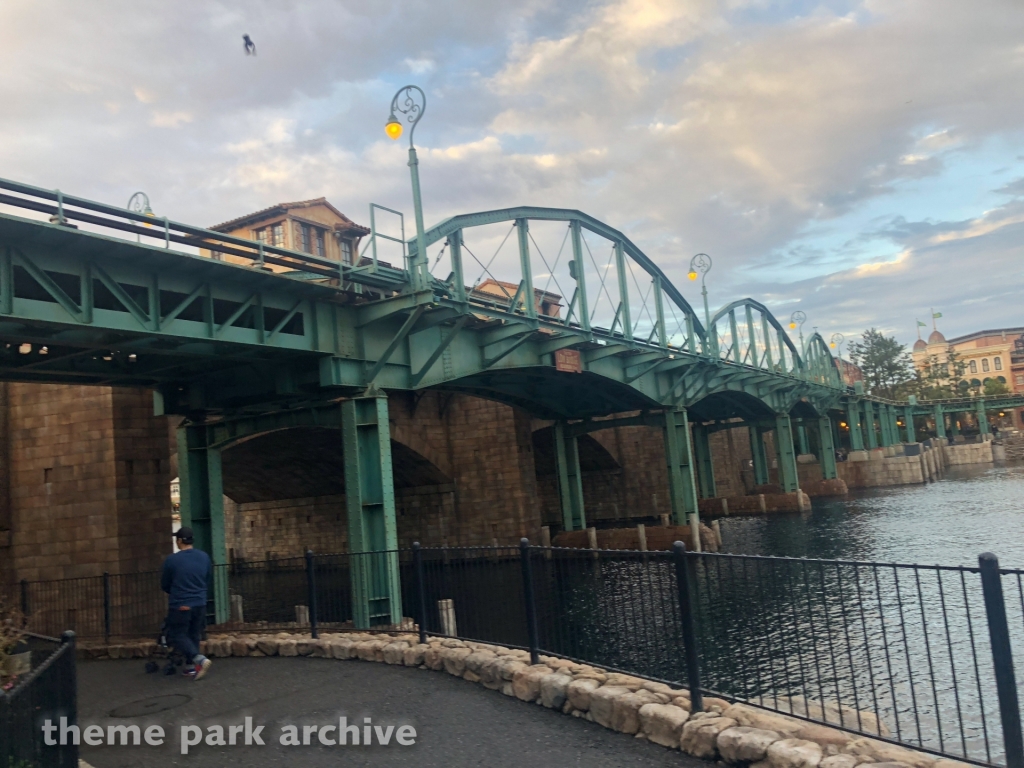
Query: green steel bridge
[{"x": 566, "y": 318}]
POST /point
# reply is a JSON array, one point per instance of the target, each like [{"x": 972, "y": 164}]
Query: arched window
[
  {"x": 974, "y": 366},
  {"x": 999, "y": 363},
  {"x": 984, "y": 365}
]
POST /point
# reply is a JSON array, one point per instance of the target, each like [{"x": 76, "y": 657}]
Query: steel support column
[
  {"x": 983, "y": 426},
  {"x": 570, "y": 479},
  {"x": 370, "y": 503},
  {"x": 758, "y": 455},
  {"x": 202, "y": 508},
  {"x": 908, "y": 424},
  {"x": 884, "y": 426},
  {"x": 940, "y": 422},
  {"x": 801, "y": 434},
  {"x": 678, "y": 453},
  {"x": 705, "y": 461},
  {"x": 869, "y": 422},
  {"x": 855, "y": 419},
  {"x": 954, "y": 424},
  {"x": 787, "y": 454},
  {"x": 827, "y": 448}
]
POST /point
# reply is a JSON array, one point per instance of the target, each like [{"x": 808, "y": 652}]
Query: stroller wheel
[
  {"x": 151, "y": 666},
  {"x": 169, "y": 668}
]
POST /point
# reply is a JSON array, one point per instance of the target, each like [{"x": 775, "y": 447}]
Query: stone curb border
[{"x": 736, "y": 734}]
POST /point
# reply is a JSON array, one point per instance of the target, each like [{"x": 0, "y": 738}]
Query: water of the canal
[{"x": 973, "y": 509}]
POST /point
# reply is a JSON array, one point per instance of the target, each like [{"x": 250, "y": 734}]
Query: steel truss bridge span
[
  {"x": 565, "y": 318},
  {"x": 211, "y": 335}
]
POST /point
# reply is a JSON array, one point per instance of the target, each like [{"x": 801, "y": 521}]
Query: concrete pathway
[{"x": 457, "y": 723}]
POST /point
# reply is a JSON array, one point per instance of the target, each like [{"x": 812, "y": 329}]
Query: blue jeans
[{"x": 185, "y": 629}]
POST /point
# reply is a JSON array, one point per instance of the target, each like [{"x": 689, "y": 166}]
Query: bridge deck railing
[{"x": 68, "y": 210}]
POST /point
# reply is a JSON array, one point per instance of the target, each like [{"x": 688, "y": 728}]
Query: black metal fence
[
  {"x": 921, "y": 656},
  {"x": 48, "y": 691},
  {"x": 917, "y": 655}
]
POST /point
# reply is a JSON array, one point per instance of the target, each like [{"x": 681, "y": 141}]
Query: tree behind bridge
[{"x": 887, "y": 366}]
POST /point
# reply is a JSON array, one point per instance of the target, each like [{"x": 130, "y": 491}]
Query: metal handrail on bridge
[{"x": 28, "y": 198}]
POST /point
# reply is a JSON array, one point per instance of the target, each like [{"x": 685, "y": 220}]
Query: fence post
[
  {"x": 311, "y": 584},
  {"x": 1002, "y": 659},
  {"x": 71, "y": 681},
  {"x": 24, "y": 598},
  {"x": 531, "y": 608},
  {"x": 689, "y": 627},
  {"x": 106, "y": 606},
  {"x": 421, "y": 593}
]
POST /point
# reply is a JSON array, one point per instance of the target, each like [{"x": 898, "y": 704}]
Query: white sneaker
[{"x": 202, "y": 668}]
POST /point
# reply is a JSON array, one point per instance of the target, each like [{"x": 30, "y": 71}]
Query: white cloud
[
  {"x": 682, "y": 122},
  {"x": 169, "y": 119},
  {"x": 144, "y": 95}
]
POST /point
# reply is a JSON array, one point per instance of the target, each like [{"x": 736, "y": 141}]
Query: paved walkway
[{"x": 457, "y": 723}]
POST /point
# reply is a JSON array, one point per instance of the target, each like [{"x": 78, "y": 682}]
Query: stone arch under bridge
[{"x": 285, "y": 492}]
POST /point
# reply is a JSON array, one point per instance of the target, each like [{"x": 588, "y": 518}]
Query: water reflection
[{"x": 974, "y": 509}]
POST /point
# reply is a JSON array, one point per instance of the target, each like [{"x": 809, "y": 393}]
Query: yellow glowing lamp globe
[
  {"x": 393, "y": 128},
  {"x": 833, "y": 345},
  {"x": 792, "y": 325},
  {"x": 692, "y": 275}
]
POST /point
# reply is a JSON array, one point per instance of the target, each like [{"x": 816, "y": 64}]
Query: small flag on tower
[
  {"x": 936, "y": 314},
  {"x": 923, "y": 325}
]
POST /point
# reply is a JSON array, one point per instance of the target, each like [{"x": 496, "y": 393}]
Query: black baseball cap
[{"x": 185, "y": 534}]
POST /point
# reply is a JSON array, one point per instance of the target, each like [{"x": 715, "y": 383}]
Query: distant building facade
[
  {"x": 849, "y": 372},
  {"x": 992, "y": 354},
  {"x": 309, "y": 226},
  {"x": 545, "y": 303}
]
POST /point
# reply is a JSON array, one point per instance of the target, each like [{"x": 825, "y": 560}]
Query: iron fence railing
[
  {"x": 917, "y": 655},
  {"x": 48, "y": 691}
]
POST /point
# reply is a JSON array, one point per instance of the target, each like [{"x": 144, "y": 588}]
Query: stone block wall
[
  {"x": 486, "y": 449},
  {"x": 637, "y": 487},
  {"x": 969, "y": 453},
  {"x": 894, "y": 470},
  {"x": 288, "y": 527},
  {"x": 88, "y": 482}
]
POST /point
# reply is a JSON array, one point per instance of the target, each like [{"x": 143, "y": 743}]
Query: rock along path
[{"x": 456, "y": 724}]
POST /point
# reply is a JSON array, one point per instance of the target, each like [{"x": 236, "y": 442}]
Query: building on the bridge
[
  {"x": 546, "y": 303},
  {"x": 849, "y": 372},
  {"x": 310, "y": 226},
  {"x": 996, "y": 354}
]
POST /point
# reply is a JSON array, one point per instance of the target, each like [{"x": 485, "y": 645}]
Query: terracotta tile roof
[{"x": 346, "y": 224}]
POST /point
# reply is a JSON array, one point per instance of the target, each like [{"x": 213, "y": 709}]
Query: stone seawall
[
  {"x": 728, "y": 732},
  {"x": 969, "y": 453}
]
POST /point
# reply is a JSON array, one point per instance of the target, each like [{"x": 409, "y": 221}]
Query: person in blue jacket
[{"x": 186, "y": 578}]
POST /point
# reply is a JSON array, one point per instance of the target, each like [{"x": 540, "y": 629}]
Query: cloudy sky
[{"x": 862, "y": 161}]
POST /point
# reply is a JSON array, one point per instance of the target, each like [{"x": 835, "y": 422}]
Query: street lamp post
[
  {"x": 837, "y": 341},
  {"x": 409, "y": 104},
  {"x": 139, "y": 203},
  {"x": 701, "y": 265},
  {"x": 797, "y": 320}
]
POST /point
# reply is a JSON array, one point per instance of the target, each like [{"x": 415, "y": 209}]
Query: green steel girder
[
  {"x": 729, "y": 311},
  {"x": 370, "y": 503},
  {"x": 570, "y": 478},
  {"x": 827, "y": 449},
  {"x": 680, "y": 460},
  {"x": 579, "y": 219},
  {"x": 786, "y": 452},
  {"x": 212, "y": 335},
  {"x": 202, "y": 507}
]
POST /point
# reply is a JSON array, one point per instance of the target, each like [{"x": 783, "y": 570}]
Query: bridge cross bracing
[{"x": 547, "y": 309}]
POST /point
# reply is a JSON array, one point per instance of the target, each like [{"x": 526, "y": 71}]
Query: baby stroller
[{"x": 174, "y": 658}]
